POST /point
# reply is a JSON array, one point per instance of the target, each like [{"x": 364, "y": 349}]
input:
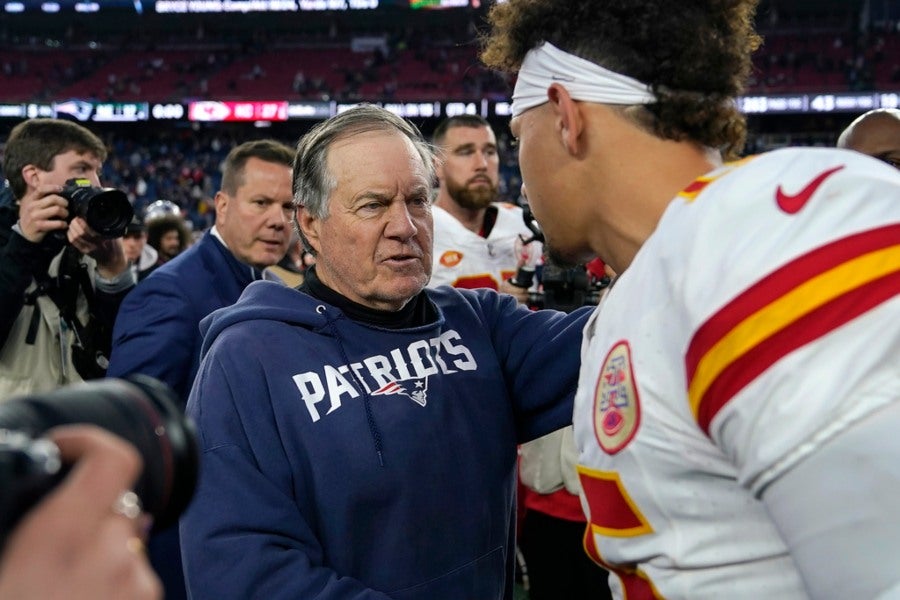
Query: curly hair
[{"x": 695, "y": 55}]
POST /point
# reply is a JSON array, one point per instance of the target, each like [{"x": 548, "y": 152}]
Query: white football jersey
[
  {"x": 760, "y": 319},
  {"x": 464, "y": 259}
]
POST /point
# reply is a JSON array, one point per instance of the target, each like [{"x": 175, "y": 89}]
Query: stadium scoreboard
[
  {"x": 50, "y": 7},
  {"x": 212, "y": 111}
]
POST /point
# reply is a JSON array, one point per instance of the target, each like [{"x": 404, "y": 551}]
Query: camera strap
[
  {"x": 45, "y": 286},
  {"x": 72, "y": 277}
]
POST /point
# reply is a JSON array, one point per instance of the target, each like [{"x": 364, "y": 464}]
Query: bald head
[{"x": 876, "y": 133}]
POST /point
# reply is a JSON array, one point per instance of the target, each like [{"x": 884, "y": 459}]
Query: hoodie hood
[
  {"x": 149, "y": 256},
  {"x": 273, "y": 301},
  {"x": 264, "y": 300}
]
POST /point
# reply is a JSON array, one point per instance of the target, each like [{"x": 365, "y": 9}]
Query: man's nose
[
  {"x": 400, "y": 222},
  {"x": 277, "y": 216}
]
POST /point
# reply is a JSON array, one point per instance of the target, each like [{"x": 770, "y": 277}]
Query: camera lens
[
  {"x": 139, "y": 409},
  {"x": 109, "y": 212}
]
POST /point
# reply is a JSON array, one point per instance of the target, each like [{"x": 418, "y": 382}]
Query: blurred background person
[
  {"x": 291, "y": 267},
  {"x": 140, "y": 255},
  {"x": 478, "y": 242},
  {"x": 167, "y": 231},
  {"x": 876, "y": 133}
]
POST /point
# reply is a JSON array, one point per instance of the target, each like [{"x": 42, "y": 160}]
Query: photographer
[
  {"x": 61, "y": 283},
  {"x": 99, "y": 554}
]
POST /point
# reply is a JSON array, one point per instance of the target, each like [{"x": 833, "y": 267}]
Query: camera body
[
  {"x": 567, "y": 289},
  {"x": 561, "y": 289},
  {"x": 106, "y": 210},
  {"x": 139, "y": 409}
]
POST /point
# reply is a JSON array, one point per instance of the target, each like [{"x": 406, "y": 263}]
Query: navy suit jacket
[{"x": 157, "y": 331}]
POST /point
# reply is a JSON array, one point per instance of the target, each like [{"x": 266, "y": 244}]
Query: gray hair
[{"x": 313, "y": 183}]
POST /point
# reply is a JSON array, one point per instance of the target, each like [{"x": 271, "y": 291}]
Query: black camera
[
  {"x": 140, "y": 409},
  {"x": 567, "y": 289},
  {"x": 561, "y": 289},
  {"x": 106, "y": 210}
]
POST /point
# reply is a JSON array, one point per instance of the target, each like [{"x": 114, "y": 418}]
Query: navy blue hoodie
[{"x": 343, "y": 460}]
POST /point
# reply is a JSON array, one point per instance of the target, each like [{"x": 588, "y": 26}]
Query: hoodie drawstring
[{"x": 370, "y": 417}]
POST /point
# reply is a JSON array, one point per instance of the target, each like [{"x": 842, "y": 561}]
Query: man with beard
[
  {"x": 477, "y": 241},
  {"x": 167, "y": 231}
]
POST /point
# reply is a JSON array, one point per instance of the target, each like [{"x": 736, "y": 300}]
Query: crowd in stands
[
  {"x": 404, "y": 62},
  {"x": 184, "y": 167},
  {"x": 426, "y": 62}
]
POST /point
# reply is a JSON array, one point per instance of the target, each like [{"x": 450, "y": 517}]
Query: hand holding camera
[
  {"x": 72, "y": 494},
  {"x": 105, "y": 211},
  {"x": 42, "y": 211},
  {"x": 90, "y": 218},
  {"x": 73, "y": 544}
]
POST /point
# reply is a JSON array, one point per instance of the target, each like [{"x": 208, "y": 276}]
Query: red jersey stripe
[
  {"x": 780, "y": 282},
  {"x": 794, "y": 306},
  {"x": 613, "y": 512},
  {"x": 635, "y": 584},
  {"x": 808, "y": 328}
]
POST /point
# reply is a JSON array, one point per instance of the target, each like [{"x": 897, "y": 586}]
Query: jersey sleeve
[{"x": 795, "y": 318}]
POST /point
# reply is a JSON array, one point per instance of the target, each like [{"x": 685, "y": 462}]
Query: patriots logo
[{"x": 418, "y": 394}]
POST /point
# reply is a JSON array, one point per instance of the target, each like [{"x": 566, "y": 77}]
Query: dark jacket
[
  {"x": 36, "y": 351},
  {"x": 345, "y": 460},
  {"x": 157, "y": 332}
]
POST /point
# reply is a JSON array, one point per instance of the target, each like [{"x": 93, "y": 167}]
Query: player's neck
[
  {"x": 470, "y": 218},
  {"x": 620, "y": 228}
]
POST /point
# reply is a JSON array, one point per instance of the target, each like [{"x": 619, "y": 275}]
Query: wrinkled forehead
[{"x": 377, "y": 159}]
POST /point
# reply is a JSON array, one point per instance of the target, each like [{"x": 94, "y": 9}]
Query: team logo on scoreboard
[
  {"x": 617, "y": 411},
  {"x": 451, "y": 258}
]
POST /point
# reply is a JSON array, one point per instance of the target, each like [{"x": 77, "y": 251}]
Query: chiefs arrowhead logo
[
  {"x": 451, "y": 258},
  {"x": 791, "y": 204}
]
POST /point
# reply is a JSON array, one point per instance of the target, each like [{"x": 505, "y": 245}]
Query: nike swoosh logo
[{"x": 792, "y": 203}]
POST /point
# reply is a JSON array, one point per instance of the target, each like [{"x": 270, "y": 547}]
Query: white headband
[{"x": 546, "y": 64}]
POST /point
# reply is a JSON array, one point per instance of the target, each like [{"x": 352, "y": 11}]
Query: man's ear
[
  {"x": 309, "y": 227},
  {"x": 569, "y": 120},
  {"x": 221, "y": 200},
  {"x": 31, "y": 175},
  {"x": 439, "y": 165}
]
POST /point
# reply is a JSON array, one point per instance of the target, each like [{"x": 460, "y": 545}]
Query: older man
[
  {"x": 739, "y": 397},
  {"x": 360, "y": 434}
]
